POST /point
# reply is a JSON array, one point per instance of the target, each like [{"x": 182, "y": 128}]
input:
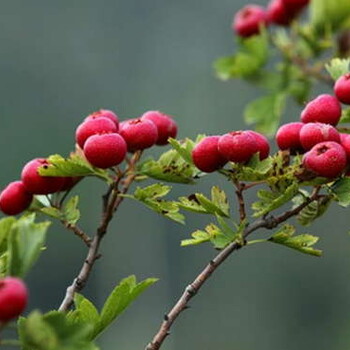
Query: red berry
[
  {"x": 14, "y": 198},
  {"x": 345, "y": 142},
  {"x": 37, "y": 184},
  {"x": 263, "y": 144},
  {"x": 278, "y": 13},
  {"x": 104, "y": 113},
  {"x": 105, "y": 151},
  {"x": 323, "y": 109},
  {"x": 13, "y": 298},
  {"x": 287, "y": 137},
  {"x": 248, "y": 20},
  {"x": 206, "y": 156},
  {"x": 138, "y": 133},
  {"x": 238, "y": 146},
  {"x": 93, "y": 126},
  {"x": 166, "y": 126},
  {"x": 342, "y": 89},
  {"x": 295, "y": 5},
  {"x": 314, "y": 133},
  {"x": 327, "y": 159}
]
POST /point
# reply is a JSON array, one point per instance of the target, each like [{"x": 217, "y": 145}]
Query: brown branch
[
  {"x": 239, "y": 193},
  {"x": 193, "y": 288},
  {"x": 111, "y": 202},
  {"x": 78, "y": 232}
]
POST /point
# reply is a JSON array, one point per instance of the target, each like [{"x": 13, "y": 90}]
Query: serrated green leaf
[
  {"x": 71, "y": 212},
  {"x": 191, "y": 203},
  {"x": 338, "y": 67},
  {"x": 53, "y": 212},
  {"x": 219, "y": 199},
  {"x": 154, "y": 191},
  {"x": 25, "y": 244},
  {"x": 120, "y": 298},
  {"x": 252, "y": 56},
  {"x": 53, "y": 331},
  {"x": 265, "y": 112},
  {"x": 271, "y": 201},
  {"x": 6, "y": 225},
  {"x": 302, "y": 243},
  {"x": 345, "y": 117},
  {"x": 341, "y": 190},
  {"x": 184, "y": 148},
  {"x": 73, "y": 166}
]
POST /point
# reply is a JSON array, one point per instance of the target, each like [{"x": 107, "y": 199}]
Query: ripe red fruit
[
  {"x": 323, "y": 109},
  {"x": 104, "y": 113},
  {"x": 166, "y": 126},
  {"x": 326, "y": 159},
  {"x": 345, "y": 142},
  {"x": 248, "y": 20},
  {"x": 295, "y": 5},
  {"x": 287, "y": 137},
  {"x": 37, "y": 184},
  {"x": 138, "y": 133},
  {"x": 238, "y": 146},
  {"x": 263, "y": 146},
  {"x": 206, "y": 156},
  {"x": 277, "y": 13},
  {"x": 13, "y": 298},
  {"x": 314, "y": 133},
  {"x": 14, "y": 198},
  {"x": 93, "y": 126},
  {"x": 342, "y": 89},
  {"x": 105, "y": 151}
]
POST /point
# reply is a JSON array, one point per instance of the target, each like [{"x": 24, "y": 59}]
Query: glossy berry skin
[
  {"x": 288, "y": 137},
  {"x": 314, "y": 133},
  {"x": 14, "y": 198},
  {"x": 342, "y": 89},
  {"x": 105, "y": 150},
  {"x": 138, "y": 134},
  {"x": 166, "y": 126},
  {"x": 206, "y": 156},
  {"x": 323, "y": 109},
  {"x": 345, "y": 142},
  {"x": 248, "y": 20},
  {"x": 104, "y": 113},
  {"x": 93, "y": 126},
  {"x": 277, "y": 13},
  {"x": 263, "y": 146},
  {"x": 326, "y": 159},
  {"x": 238, "y": 146},
  {"x": 37, "y": 184},
  {"x": 13, "y": 298}
]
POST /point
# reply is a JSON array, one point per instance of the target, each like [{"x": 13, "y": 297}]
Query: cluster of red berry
[
  {"x": 251, "y": 18},
  {"x": 327, "y": 150},
  {"x": 104, "y": 142}
]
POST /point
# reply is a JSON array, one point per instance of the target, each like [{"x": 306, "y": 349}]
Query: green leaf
[
  {"x": 120, "y": 298},
  {"x": 154, "y": 191},
  {"x": 341, "y": 190},
  {"x": 185, "y": 147},
  {"x": 338, "y": 67},
  {"x": 53, "y": 212},
  {"x": 73, "y": 166},
  {"x": 53, "y": 331},
  {"x": 6, "y": 225},
  {"x": 327, "y": 14},
  {"x": 25, "y": 244},
  {"x": 271, "y": 201},
  {"x": 252, "y": 56},
  {"x": 266, "y": 112},
  {"x": 71, "y": 212},
  {"x": 345, "y": 117},
  {"x": 302, "y": 243},
  {"x": 170, "y": 167}
]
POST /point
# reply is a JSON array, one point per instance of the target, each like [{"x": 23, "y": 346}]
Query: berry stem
[
  {"x": 78, "y": 232},
  {"x": 193, "y": 288},
  {"x": 239, "y": 193},
  {"x": 111, "y": 201}
]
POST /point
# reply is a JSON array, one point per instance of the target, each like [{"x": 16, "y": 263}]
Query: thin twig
[
  {"x": 193, "y": 288},
  {"x": 78, "y": 232},
  {"x": 111, "y": 202},
  {"x": 239, "y": 193}
]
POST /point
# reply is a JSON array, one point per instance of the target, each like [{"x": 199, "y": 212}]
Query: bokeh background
[{"x": 61, "y": 60}]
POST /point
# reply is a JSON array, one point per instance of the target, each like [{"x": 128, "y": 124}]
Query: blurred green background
[{"x": 61, "y": 60}]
